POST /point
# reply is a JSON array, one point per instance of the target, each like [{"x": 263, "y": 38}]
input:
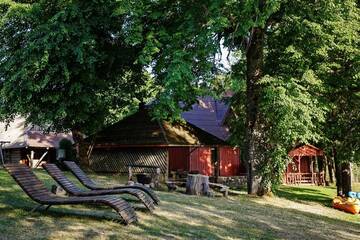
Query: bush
[{"x": 67, "y": 146}]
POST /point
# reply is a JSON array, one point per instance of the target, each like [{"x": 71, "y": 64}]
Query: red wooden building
[
  {"x": 203, "y": 159},
  {"x": 176, "y": 147},
  {"x": 305, "y": 165}
]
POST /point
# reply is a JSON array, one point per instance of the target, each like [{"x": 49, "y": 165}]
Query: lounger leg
[
  {"x": 36, "y": 208},
  {"x": 47, "y": 208}
]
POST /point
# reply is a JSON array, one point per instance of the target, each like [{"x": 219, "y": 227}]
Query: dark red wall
[
  {"x": 200, "y": 160},
  {"x": 230, "y": 164},
  {"x": 305, "y": 164},
  {"x": 179, "y": 158}
]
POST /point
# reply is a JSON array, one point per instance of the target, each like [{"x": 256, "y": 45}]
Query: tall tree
[
  {"x": 281, "y": 49},
  {"x": 311, "y": 66},
  {"x": 342, "y": 82},
  {"x": 67, "y": 64}
]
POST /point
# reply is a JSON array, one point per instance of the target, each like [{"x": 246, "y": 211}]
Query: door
[
  {"x": 230, "y": 164},
  {"x": 179, "y": 158},
  {"x": 200, "y": 160}
]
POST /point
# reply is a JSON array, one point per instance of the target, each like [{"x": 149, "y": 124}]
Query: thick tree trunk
[
  {"x": 342, "y": 175},
  {"x": 346, "y": 178},
  {"x": 338, "y": 177},
  {"x": 254, "y": 72},
  {"x": 82, "y": 147}
]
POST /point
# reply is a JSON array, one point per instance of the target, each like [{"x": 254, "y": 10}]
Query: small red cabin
[{"x": 304, "y": 167}]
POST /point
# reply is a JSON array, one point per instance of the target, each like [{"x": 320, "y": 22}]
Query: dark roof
[
  {"x": 209, "y": 114},
  {"x": 140, "y": 129}
]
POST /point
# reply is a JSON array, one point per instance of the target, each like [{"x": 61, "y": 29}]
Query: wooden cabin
[
  {"x": 305, "y": 165},
  {"x": 28, "y": 144},
  {"x": 139, "y": 140}
]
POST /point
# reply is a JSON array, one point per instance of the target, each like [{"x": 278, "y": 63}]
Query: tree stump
[{"x": 197, "y": 184}]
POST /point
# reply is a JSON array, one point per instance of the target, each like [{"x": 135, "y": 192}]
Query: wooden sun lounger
[
  {"x": 73, "y": 190},
  {"x": 37, "y": 191},
  {"x": 87, "y": 182}
]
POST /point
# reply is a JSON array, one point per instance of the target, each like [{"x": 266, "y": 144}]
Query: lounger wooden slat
[
  {"x": 37, "y": 191},
  {"x": 73, "y": 190},
  {"x": 87, "y": 182}
]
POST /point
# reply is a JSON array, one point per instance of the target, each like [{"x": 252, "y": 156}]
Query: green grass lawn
[
  {"x": 304, "y": 194},
  {"x": 298, "y": 213}
]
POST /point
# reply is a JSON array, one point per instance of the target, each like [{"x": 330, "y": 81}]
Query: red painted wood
[
  {"x": 294, "y": 166},
  {"x": 305, "y": 165},
  {"x": 306, "y": 150},
  {"x": 230, "y": 164},
  {"x": 200, "y": 160},
  {"x": 179, "y": 158},
  {"x": 299, "y": 165}
]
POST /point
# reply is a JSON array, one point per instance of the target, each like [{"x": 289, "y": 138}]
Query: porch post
[
  {"x": 300, "y": 177},
  {"x": 312, "y": 169}
]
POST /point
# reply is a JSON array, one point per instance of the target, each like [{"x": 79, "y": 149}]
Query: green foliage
[
  {"x": 67, "y": 64},
  {"x": 301, "y": 40},
  {"x": 67, "y": 146},
  {"x": 341, "y": 74},
  {"x": 180, "y": 42}
]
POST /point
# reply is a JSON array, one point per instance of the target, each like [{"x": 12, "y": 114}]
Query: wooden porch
[
  {"x": 306, "y": 166},
  {"x": 305, "y": 178}
]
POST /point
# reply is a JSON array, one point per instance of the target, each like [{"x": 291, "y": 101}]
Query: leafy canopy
[{"x": 67, "y": 64}]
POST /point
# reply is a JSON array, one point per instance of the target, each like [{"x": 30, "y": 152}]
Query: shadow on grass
[
  {"x": 178, "y": 217},
  {"x": 250, "y": 221},
  {"x": 303, "y": 194}
]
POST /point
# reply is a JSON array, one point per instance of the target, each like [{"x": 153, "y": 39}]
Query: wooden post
[
  {"x": 197, "y": 184},
  {"x": 130, "y": 174},
  {"x": 299, "y": 170},
  {"x": 331, "y": 169},
  {"x": 157, "y": 178},
  {"x": 312, "y": 169},
  {"x": 166, "y": 177}
]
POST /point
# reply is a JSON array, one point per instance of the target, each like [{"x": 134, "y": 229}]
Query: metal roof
[
  {"x": 141, "y": 130},
  {"x": 209, "y": 114},
  {"x": 21, "y": 135}
]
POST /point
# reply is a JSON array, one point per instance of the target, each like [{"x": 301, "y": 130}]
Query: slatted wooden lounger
[
  {"x": 87, "y": 182},
  {"x": 37, "y": 191},
  {"x": 73, "y": 190}
]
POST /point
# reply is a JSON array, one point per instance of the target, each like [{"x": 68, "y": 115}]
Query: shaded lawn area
[
  {"x": 178, "y": 217},
  {"x": 304, "y": 193}
]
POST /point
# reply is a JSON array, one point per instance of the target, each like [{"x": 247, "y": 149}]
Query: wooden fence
[
  {"x": 118, "y": 160},
  {"x": 305, "y": 178}
]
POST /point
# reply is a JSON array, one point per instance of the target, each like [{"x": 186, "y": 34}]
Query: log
[{"x": 197, "y": 184}]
